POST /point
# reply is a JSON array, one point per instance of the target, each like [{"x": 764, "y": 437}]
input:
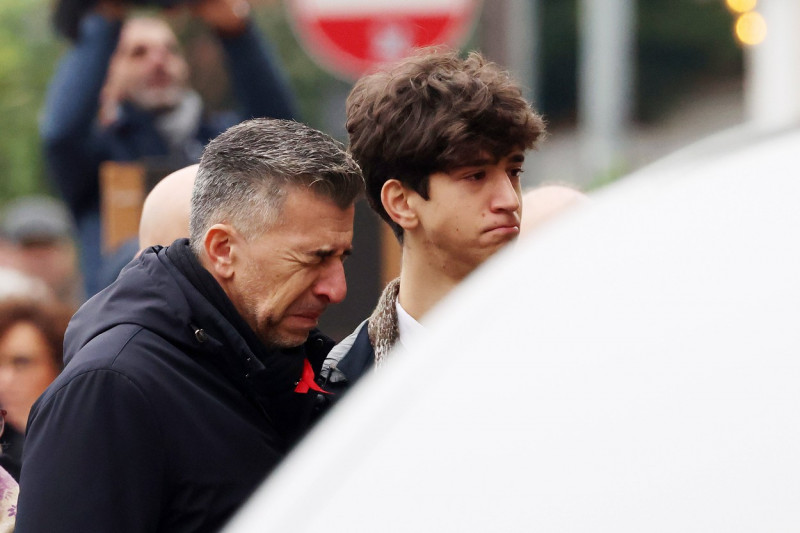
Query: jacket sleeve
[
  {"x": 93, "y": 459},
  {"x": 72, "y": 149},
  {"x": 258, "y": 80}
]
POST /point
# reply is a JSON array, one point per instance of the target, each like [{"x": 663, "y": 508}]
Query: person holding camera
[{"x": 122, "y": 94}]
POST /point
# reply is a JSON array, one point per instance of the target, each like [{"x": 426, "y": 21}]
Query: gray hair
[{"x": 246, "y": 172}]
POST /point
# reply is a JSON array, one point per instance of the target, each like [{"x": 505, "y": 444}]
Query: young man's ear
[
  {"x": 220, "y": 246},
  {"x": 394, "y": 197}
]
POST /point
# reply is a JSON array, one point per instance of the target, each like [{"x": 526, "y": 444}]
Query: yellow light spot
[
  {"x": 751, "y": 28},
  {"x": 741, "y": 6}
]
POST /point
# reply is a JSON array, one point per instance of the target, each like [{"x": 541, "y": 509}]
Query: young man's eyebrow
[
  {"x": 514, "y": 157},
  {"x": 477, "y": 162}
]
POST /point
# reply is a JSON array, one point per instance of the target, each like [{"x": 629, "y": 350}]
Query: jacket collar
[{"x": 182, "y": 256}]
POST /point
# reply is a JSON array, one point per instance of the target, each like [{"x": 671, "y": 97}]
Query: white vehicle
[{"x": 633, "y": 367}]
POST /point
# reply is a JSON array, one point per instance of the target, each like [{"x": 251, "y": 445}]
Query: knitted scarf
[{"x": 382, "y": 324}]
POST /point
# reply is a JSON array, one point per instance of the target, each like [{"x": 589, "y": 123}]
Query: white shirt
[{"x": 407, "y": 326}]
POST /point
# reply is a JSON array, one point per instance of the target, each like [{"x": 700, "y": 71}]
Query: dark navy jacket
[
  {"x": 74, "y": 143},
  {"x": 166, "y": 416},
  {"x": 346, "y": 363}
]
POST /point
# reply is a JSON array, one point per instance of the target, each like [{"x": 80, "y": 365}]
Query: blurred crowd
[{"x": 40, "y": 287}]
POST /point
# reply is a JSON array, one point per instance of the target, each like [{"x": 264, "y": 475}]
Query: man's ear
[
  {"x": 394, "y": 197},
  {"x": 220, "y": 246}
]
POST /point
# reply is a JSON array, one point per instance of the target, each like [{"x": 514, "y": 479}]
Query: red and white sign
[{"x": 351, "y": 37}]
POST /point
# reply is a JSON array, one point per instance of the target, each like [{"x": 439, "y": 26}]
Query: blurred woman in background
[{"x": 31, "y": 350}]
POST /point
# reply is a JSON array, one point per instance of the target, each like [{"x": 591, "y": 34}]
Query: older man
[{"x": 189, "y": 378}]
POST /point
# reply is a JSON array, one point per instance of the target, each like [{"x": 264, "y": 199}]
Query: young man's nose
[{"x": 506, "y": 195}]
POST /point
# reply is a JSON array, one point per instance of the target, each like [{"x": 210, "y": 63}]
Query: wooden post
[{"x": 122, "y": 193}]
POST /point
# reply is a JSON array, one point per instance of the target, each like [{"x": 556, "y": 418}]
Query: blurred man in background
[
  {"x": 546, "y": 202},
  {"x": 39, "y": 240},
  {"x": 122, "y": 94},
  {"x": 165, "y": 213}
]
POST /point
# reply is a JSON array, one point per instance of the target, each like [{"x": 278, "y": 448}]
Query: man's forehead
[
  {"x": 303, "y": 204},
  {"x": 139, "y": 32},
  {"x": 326, "y": 241}
]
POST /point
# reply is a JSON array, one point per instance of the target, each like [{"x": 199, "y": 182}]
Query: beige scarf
[{"x": 382, "y": 324}]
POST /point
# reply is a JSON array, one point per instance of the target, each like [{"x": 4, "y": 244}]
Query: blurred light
[
  {"x": 751, "y": 28},
  {"x": 741, "y": 6}
]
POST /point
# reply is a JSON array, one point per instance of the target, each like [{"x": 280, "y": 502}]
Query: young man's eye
[
  {"x": 515, "y": 172},
  {"x": 477, "y": 176}
]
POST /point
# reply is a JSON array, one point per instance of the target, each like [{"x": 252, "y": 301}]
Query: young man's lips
[{"x": 511, "y": 229}]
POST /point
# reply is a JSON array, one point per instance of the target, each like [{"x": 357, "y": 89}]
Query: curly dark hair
[{"x": 433, "y": 112}]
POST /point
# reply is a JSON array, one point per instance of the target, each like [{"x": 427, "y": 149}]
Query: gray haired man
[{"x": 189, "y": 378}]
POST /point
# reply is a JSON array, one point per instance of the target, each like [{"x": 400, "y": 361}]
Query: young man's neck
[{"x": 425, "y": 278}]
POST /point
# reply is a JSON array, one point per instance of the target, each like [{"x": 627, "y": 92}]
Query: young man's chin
[
  {"x": 499, "y": 237},
  {"x": 494, "y": 244}
]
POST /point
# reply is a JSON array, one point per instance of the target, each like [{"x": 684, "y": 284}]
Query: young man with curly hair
[{"x": 441, "y": 141}]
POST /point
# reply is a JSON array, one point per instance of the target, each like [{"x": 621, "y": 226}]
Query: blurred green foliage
[
  {"x": 680, "y": 43},
  {"x": 28, "y": 51}
]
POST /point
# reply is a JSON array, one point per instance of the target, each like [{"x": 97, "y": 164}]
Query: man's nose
[
  {"x": 159, "y": 56},
  {"x": 332, "y": 283}
]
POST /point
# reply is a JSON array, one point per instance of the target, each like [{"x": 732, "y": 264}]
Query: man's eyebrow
[{"x": 517, "y": 157}]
